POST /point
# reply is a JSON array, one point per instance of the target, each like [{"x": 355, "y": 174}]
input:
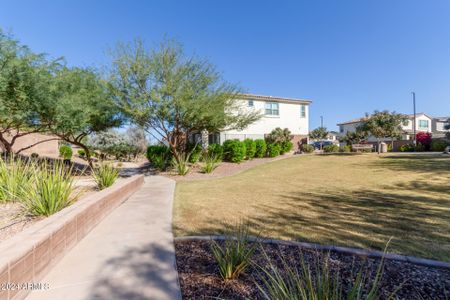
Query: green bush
[
  {"x": 234, "y": 254},
  {"x": 159, "y": 156},
  {"x": 439, "y": 145},
  {"x": 50, "y": 191},
  {"x": 105, "y": 175},
  {"x": 15, "y": 174},
  {"x": 286, "y": 146},
  {"x": 210, "y": 162},
  {"x": 260, "y": 148},
  {"x": 330, "y": 148},
  {"x": 420, "y": 147},
  {"x": 34, "y": 155},
  {"x": 234, "y": 150},
  {"x": 306, "y": 148},
  {"x": 407, "y": 148},
  {"x": 345, "y": 149},
  {"x": 65, "y": 152},
  {"x": 195, "y": 151},
  {"x": 273, "y": 149},
  {"x": 81, "y": 153},
  {"x": 250, "y": 148},
  {"x": 215, "y": 149}
]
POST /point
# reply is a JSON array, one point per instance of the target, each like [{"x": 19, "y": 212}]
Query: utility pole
[
  {"x": 414, "y": 122},
  {"x": 321, "y": 121}
]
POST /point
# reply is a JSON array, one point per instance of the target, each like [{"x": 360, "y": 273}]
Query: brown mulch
[
  {"x": 223, "y": 170},
  {"x": 200, "y": 279}
]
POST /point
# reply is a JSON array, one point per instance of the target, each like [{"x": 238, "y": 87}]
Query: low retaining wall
[
  {"x": 353, "y": 251},
  {"x": 28, "y": 256}
]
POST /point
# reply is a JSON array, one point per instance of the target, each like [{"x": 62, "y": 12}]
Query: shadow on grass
[
  {"x": 416, "y": 163},
  {"x": 419, "y": 225}
]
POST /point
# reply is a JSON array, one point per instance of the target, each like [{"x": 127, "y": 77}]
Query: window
[
  {"x": 341, "y": 129},
  {"x": 272, "y": 109},
  {"x": 250, "y": 103},
  {"x": 302, "y": 111},
  {"x": 423, "y": 123}
]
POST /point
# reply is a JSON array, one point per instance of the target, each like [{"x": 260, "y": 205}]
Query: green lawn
[{"x": 349, "y": 200}]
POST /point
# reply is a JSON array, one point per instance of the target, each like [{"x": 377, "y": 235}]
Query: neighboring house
[
  {"x": 43, "y": 146},
  {"x": 438, "y": 126},
  {"x": 423, "y": 123},
  {"x": 276, "y": 112}
]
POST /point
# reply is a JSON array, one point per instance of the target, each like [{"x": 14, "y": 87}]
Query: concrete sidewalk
[{"x": 129, "y": 255}]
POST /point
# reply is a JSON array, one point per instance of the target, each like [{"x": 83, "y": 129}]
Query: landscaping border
[
  {"x": 29, "y": 255},
  {"x": 346, "y": 250}
]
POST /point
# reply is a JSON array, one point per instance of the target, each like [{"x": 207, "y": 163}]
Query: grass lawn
[{"x": 347, "y": 200}]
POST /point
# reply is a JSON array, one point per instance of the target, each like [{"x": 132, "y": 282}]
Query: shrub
[
  {"x": 211, "y": 161},
  {"x": 250, "y": 148},
  {"x": 50, "y": 191},
  {"x": 215, "y": 149},
  {"x": 34, "y": 155},
  {"x": 407, "y": 148},
  {"x": 345, "y": 149},
  {"x": 81, "y": 153},
  {"x": 234, "y": 255},
  {"x": 273, "y": 150},
  {"x": 286, "y": 146},
  {"x": 234, "y": 150},
  {"x": 65, "y": 151},
  {"x": 159, "y": 156},
  {"x": 194, "y": 150},
  {"x": 439, "y": 145},
  {"x": 181, "y": 166},
  {"x": 420, "y": 147},
  {"x": 15, "y": 174},
  {"x": 330, "y": 148},
  {"x": 105, "y": 175},
  {"x": 424, "y": 138},
  {"x": 278, "y": 135},
  {"x": 306, "y": 148},
  {"x": 260, "y": 148}
]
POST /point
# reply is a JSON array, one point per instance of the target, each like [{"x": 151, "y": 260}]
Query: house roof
[
  {"x": 442, "y": 119},
  {"x": 360, "y": 119},
  {"x": 275, "y": 99}
]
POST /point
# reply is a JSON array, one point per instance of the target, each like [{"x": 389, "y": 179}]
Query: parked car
[{"x": 316, "y": 145}]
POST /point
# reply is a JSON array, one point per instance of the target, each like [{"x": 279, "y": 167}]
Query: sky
[{"x": 349, "y": 56}]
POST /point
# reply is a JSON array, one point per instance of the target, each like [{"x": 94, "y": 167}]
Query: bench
[{"x": 362, "y": 147}]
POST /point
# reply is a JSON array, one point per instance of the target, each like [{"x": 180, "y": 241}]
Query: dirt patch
[
  {"x": 223, "y": 170},
  {"x": 199, "y": 276}
]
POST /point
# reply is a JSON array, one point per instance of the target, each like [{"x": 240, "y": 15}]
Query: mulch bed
[{"x": 200, "y": 279}]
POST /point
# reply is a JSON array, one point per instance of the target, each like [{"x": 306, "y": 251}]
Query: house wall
[{"x": 289, "y": 117}]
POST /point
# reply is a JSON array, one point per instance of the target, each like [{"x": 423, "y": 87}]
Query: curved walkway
[{"x": 129, "y": 255}]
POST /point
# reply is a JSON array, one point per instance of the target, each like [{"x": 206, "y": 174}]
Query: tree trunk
[
  {"x": 7, "y": 146},
  {"x": 205, "y": 140},
  {"x": 378, "y": 146}
]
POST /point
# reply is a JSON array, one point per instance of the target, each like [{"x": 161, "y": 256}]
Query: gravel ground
[
  {"x": 199, "y": 277},
  {"x": 223, "y": 170}
]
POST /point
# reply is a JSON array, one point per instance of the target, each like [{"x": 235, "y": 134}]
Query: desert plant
[
  {"x": 105, "y": 175},
  {"x": 210, "y": 162},
  {"x": 81, "y": 153},
  {"x": 195, "y": 151},
  {"x": 316, "y": 281},
  {"x": 260, "y": 147},
  {"x": 50, "y": 191},
  {"x": 34, "y": 155},
  {"x": 216, "y": 149},
  {"x": 345, "y": 149},
  {"x": 159, "y": 156},
  {"x": 250, "y": 148},
  {"x": 234, "y": 254},
  {"x": 273, "y": 149},
  {"x": 278, "y": 135},
  {"x": 407, "y": 148},
  {"x": 286, "y": 146},
  {"x": 182, "y": 165},
  {"x": 331, "y": 148},
  {"x": 234, "y": 150},
  {"x": 65, "y": 152},
  {"x": 15, "y": 174},
  {"x": 306, "y": 148}
]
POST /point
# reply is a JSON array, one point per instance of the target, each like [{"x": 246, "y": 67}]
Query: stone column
[{"x": 205, "y": 139}]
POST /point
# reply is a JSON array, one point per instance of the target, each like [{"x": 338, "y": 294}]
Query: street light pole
[
  {"x": 321, "y": 121},
  {"x": 414, "y": 122}
]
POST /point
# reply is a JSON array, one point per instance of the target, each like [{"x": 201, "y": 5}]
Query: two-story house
[
  {"x": 423, "y": 123},
  {"x": 276, "y": 112},
  {"x": 438, "y": 126}
]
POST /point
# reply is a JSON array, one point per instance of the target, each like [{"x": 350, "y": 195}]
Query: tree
[
  {"x": 82, "y": 106},
  {"x": 135, "y": 137},
  {"x": 279, "y": 136},
  {"x": 25, "y": 86},
  {"x": 319, "y": 134},
  {"x": 355, "y": 137},
  {"x": 173, "y": 95},
  {"x": 384, "y": 124}
]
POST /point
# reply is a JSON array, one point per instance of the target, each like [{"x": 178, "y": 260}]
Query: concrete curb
[
  {"x": 29, "y": 255},
  {"x": 346, "y": 250}
]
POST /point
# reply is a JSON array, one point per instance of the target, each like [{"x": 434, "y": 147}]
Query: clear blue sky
[{"x": 348, "y": 57}]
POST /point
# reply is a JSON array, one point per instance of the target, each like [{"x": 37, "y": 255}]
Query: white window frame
[
  {"x": 250, "y": 103},
  {"x": 427, "y": 122},
  {"x": 302, "y": 111},
  {"x": 272, "y": 109}
]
